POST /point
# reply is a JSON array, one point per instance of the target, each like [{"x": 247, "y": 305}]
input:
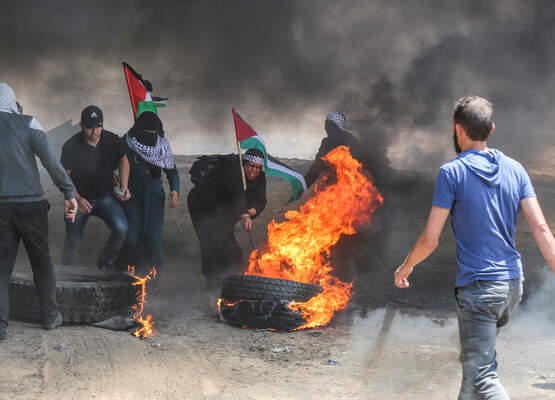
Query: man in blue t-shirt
[{"x": 483, "y": 190}]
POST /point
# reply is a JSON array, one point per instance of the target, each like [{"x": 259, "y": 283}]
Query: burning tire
[
  {"x": 85, "y": 295},
  {"x": 252, "y": 287},
  {"x": 260, "y": 302},
  {"x": 261, "y": 314}
]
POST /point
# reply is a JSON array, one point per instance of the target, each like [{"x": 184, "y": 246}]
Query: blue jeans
[
  {"x": 108, "y": 209},
  {"x": 483, "y": 308}
]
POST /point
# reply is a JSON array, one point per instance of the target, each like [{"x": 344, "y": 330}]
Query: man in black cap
[{"x": 90, "y": 158}]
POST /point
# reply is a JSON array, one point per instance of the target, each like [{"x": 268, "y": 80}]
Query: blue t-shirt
[{"x": 483, "y": 190}]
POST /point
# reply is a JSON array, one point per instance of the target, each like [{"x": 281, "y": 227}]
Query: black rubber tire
[
  {"x": 252, "y": 287},
  {"x": 261, "y": 314},
  {"x": 84, "y": 295}
]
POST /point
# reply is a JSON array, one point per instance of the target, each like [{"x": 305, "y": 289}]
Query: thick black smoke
[{"x": 393, "y": 67}]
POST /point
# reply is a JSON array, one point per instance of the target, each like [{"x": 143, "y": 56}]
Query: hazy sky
[{"x": 393, "y": 67}]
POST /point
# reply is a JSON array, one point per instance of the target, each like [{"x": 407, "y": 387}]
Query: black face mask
[
  {"x": 458, "y": 149},
  {"x": 147, "y": 121},
  {"x": 146, "y": 139}
]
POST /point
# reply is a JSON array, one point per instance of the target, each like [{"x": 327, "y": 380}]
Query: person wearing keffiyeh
[
  {"x": 217, "y": 204},
  {"x": 149, "y": 153},
  {"x": 337, "y": 135}
]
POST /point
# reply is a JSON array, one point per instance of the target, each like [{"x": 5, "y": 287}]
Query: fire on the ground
[
  {"x": 147, "y": 325},
  {"x": 298, "y": 248}
]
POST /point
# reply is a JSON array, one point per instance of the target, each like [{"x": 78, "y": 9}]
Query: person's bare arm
[
  {"x": 427, "y": 242},
  {"x": 544, "y": 237},
  {"x": 123, "y": 168}
]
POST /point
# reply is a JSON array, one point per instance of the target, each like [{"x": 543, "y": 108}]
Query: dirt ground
[{"x": 388, "y": 344}]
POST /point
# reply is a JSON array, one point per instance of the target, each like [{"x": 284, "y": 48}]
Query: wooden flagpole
[
  {"x": 242, "y": 173},
  {"x": 244, "y": 186},
  {"x": 241, "y": 166}
]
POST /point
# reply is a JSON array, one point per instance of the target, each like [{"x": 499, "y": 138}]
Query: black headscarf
[{"x": 149, "y": 121}]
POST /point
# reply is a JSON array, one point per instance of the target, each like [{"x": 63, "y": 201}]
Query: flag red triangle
[
  {"x": 242, "y": 129},
  {"x": 137, "y": 91}
]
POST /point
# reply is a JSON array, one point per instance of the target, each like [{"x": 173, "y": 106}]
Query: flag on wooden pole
[{"x": 248, "y": 138}]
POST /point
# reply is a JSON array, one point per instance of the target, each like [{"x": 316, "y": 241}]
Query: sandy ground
[{"x": 388, "y": 344}]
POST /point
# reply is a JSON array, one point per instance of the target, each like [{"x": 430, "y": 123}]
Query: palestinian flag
[
  {"x": 140, "y": 93},
  {"x": 249, "y": 138}
]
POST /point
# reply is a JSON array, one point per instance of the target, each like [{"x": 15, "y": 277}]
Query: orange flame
[
  {"x": 221, "y": 302},
  {"x": 147, "y": 329},
  {"x": 299, "y": 247}
]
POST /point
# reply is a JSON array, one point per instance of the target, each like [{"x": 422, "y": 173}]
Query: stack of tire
[
  {"x": 262, "y": 303},
  {"x": 85, "y": 295}
]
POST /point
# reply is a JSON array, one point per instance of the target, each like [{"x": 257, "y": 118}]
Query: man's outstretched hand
[
  {"x": 401, "y": 275},
  {"x": 71, "y": 209}
]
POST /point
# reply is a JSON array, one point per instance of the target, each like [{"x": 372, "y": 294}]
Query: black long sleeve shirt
[{"x": 225, "y": 189}]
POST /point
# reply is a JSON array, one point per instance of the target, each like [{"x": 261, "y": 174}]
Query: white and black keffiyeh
[
  {"x": 338, "y": 119},
  {"x": 160, "y": 155},
  {"x": 253, "y": 159}
]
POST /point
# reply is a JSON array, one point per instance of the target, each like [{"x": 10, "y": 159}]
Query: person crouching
[
  {"x": 89, "y": 158},
  {"x": 217, "y": 203}
]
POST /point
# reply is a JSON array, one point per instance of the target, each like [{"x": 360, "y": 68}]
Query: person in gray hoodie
[
  {"x": 23, "y": 208},
  {"x": 483, "y": 190}
]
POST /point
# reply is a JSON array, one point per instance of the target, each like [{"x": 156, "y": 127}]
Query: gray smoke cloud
[
  {"x": 393, "y": 67},
  {"x": 408, "y": 355},
  {"x": 535, "y": 318}
]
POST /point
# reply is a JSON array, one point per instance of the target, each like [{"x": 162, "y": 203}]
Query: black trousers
[
  {"x": 29, "y": 222},
  {"x": 220, "y": 253}
]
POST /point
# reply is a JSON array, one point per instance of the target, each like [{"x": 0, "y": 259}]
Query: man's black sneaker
[
  {"x": 51, "y": 323},
  {"x": 2, "y": 333}
]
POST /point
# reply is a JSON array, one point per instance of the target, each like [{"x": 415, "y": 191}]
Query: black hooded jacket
[
  {"x": 335, "y": 137},
  {"x": 225, "y": 190}
]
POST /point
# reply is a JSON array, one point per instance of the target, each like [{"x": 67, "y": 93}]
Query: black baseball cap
[{"x": 91, "y": 116}]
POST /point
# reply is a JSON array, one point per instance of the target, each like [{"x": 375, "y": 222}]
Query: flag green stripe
[
  {"x": 295, "y": 183},
  {"x": 254, "y": 141},
  {"x": 146, "y": 105},
  {"x": 287, "y": 173}
]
